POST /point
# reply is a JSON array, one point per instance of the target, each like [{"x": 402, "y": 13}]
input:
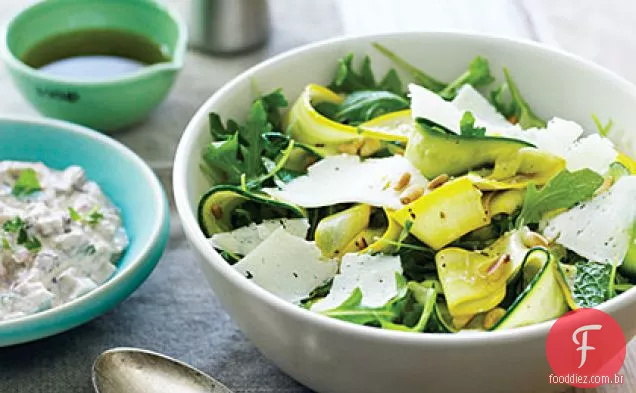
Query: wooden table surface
[{"x": 600, "y": 31}]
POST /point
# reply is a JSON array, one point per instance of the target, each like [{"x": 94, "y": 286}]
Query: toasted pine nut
[
  {"x": 351, "y": 147},
  {"x": 217, "y": 212},
  {"x": 533, "y": 239},
  {"x": 492, "y": 317},
  {"x": 403, "y": 181},
  {"x": 411, "y": 194},
  {"x": 369, "y": 147},
  {"x": 438, "y": 181}
]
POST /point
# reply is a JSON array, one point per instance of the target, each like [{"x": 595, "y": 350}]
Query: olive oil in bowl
[{"x": 95, "y": 54}]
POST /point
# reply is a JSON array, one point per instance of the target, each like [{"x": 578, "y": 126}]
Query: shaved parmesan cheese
[
  {"x": 601, "y": 228},
  {"x": 470, "y": 100},
  {"x": 375, "y": 275},
  {"x": 243, "y": 240},
  {"x": 561, "y": 138},
  {"x": 557, "y": 138},
  {"x": 428, "y": 105},
  {"x": 346, "y": 179},
  {"x": 287, "y": 266},
  {"x": 594, "y": 152}
]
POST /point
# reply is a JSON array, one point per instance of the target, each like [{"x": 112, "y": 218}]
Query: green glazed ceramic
[{"x": 107, "y": 104}]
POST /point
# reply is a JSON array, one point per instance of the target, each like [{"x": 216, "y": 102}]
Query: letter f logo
[{"x": 583, "y": 343}]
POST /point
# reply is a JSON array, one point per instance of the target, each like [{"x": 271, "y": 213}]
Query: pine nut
[
  {"x": 370, "y": 147},
  {"x": 217, "y": 212},
  {"x": 403, "y": 181},
  {"x": 411, "y": 194},
  {"x": 351, "y": 147},
  {"x": 438, "y": 181}
]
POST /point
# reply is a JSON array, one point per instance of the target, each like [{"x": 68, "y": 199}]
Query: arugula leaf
[
  {"x": 225, "y": 157},
  {"x": 239, "y": 156},
  {"x": 416, "y": 311},
  {"x": 362, "y": 106},
  {"x": 421, "y": 78},
  {"x": 272, "y": 102},
  {"x": 27, "y": 183},
  {"x": 327, "y": 109},
  {"x": 220, "y": 132},
  {"x": 563, "y": 191},
  {"x": 257, "y": 124},
  {"x": 477, "y": 75},
  {"x": 13, "y": 226},
  {"x": 603, "y": 129},
  {"x": 351, "y": 309},
  {"x": 348, "y": 80},
  {"x": 517, "y": 111},
  {"x": 391, "y": 83},
  {"x": 467, "y": 126},
  {"x": 591, "y": 285},
  {"x": 317, "y": 294}
]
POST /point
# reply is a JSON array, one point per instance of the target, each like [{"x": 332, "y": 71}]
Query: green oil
[{"x": 95, "y": 54}]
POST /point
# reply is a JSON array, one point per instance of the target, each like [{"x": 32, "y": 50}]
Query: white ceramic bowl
[{"x": 333, "y": 356}]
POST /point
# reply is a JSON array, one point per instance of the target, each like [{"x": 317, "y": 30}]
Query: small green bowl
[{"x": 108, "y": 104}]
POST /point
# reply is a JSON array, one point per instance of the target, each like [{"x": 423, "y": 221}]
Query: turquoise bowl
[{"x": 126, "y": 180}]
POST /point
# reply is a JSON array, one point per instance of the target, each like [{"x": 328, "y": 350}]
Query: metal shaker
[{"x": 228, "y": 26}]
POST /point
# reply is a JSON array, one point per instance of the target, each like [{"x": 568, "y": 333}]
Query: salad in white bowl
[{"x": 432, "y": 206}]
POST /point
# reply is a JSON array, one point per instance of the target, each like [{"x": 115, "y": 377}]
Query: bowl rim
[
  {"x": 134, "y": 267},
  {"x": 175, "y": 64},
  {"x": 210, "y": 256}
]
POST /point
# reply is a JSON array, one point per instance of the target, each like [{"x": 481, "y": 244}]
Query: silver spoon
[{"x": 130, "y": 370}]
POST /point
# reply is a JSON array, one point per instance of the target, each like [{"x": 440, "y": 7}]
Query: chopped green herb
[
  {"x": 94, "y": 216},
  {"x": 31, "y": 243},
  {"x": 467, "y": 126},
  {"x": 562, "y": 192},
  {"x": 90, "y": 250},
  {"x": 14, "y": 225},
  {"x": 27, "y": 183},
  {"x": 75, "y": 216},
  {"x": 5, "y": 244}
]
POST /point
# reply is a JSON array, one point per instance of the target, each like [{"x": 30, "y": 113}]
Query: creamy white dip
[{"x": 58, "y": 241}]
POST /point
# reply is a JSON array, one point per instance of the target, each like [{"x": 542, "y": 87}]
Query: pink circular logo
[{"x": 586, "y": 349}]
